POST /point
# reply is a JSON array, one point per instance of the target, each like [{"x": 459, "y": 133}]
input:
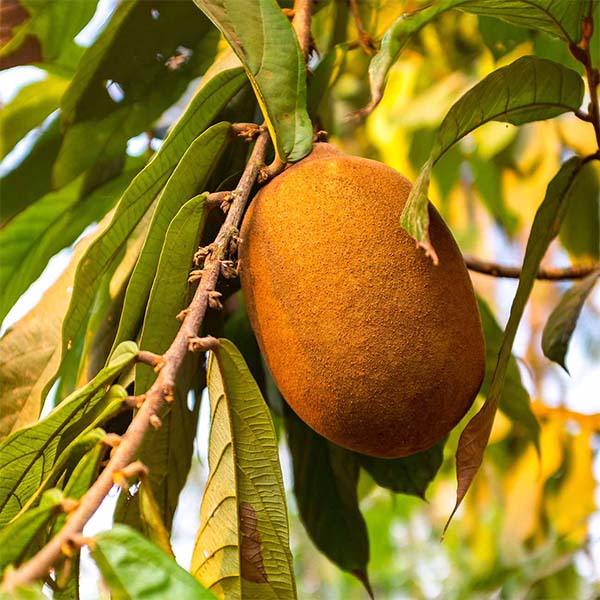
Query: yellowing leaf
[
  {"x": 242, "y": 547},
  {"x": 569, "y": 510}
]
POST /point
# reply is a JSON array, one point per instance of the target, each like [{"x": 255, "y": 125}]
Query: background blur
[{"x": 529, "y": 528}]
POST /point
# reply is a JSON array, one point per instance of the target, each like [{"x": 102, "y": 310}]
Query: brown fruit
[{"x": 373, "y": 346}]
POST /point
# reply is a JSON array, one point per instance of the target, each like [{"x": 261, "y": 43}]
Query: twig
[
  {"x": 581, "y": 52},
  {"x": 548, "y": 274},
  {"x": 365, "y": 39},
  {"x": 39, "y": 566},
  {"x": 301, "y": 25}
]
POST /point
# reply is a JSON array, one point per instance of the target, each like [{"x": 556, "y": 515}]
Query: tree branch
[
  {"x": 547, "y": 274},
  {"x": 161, "y": 392},
  {"x": 301, "y": 25}
]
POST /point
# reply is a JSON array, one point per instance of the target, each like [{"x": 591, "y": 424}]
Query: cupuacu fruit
[{"x": 372, "y": 346}]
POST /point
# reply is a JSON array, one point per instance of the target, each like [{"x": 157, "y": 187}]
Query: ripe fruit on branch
[{"x": 373, "y": 346}]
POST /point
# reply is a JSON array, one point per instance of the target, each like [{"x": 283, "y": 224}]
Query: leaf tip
[{"x": 363, "y": 577}]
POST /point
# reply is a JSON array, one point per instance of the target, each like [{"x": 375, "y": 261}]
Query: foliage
[{"x": 477, "y": 101}]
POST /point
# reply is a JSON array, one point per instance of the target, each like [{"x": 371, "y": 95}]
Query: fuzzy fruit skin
[{"x": 373, "y": 346}]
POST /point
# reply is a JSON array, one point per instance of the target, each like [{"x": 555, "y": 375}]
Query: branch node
[
  {"x": 248, "y": 131},
  {"x": 148, "y": 358},
  {"x": 112, "y": 440},
  {"x": 169, "y": 393},
  {"x": 228, "y": 269},
  {"x": 68, "y": 505},
  {"x": 202, "y": 344},
  {"x": 155, "y": 421},
  {"x": 135, "y": 469},
  {"x": 181, "y": 315},
  {"x": 202, "y": 253},
  {"x": 267, "y": 172},
  {"x": 213, "y": 300},
  {"x": 195, "y": 275},
  {"x": 73, "y": 544}
]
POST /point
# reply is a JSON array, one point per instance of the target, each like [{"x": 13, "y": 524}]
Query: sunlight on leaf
[
  {"x": 242, "y": 548},
  {"x": 556, "y": 17},
  {"x": 529, "y": 89},
  {"x": 22, "y": 473},
  {"x": 134, "y": 568},
  {"x": 263, "y": 39},
  {"x": 546, "y": 224}
]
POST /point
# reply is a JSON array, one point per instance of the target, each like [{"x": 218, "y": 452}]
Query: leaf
[
  {"x": 79, "y": 481},
  {"x": 324, "y": 77},
  {"x": 325, "y": 481},
  {"x": 42, "y": 31},
  {"x": 514, "y": 401},
  {"x": 167, "y": 451},
  {"x": 70, "y": 456},
  {"x": 546, "y": 224},
  {"x": 133, "y": 568},
  {"x": 189, "y": 177},
  {"x": 561, "y": 322},
  {"x": 501, "y": 37},
  {"x": 155, "y": 529},
  {"x": 242, "y": 547},
  {"x": 263, "y": 39},
  {"x": 54, "y": 222},
  {"x": 556, "y": 17},
  {"x": 108, "y": 102},
  {"x": 31, "y": 178},
  {"x": 17, "y": 538},
  {"x": 28, "y": 455},
  {"x": 28, "y": 109},
  {"x": 529, "y": 89},
  {"x": 30, "y": 351},
  {"x": 409, "y": 475},
  {"x": 488, "y": 181},
  {"x": 580, "y": 231},
  {"x": 138, "y": 197}
]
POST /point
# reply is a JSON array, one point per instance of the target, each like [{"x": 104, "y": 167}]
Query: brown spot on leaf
[
  {"x": 252, "y": 566},
  {"x": 13, "y": 14}
]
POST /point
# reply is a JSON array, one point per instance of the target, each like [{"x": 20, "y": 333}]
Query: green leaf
[
  {"x": 167, "y": 452},
  {"x": 104, "y": 321},
  {"x": 325, "y": 481},
  {"x": 79, "y": 481},
  {"x": 529, "y": 89},
  {"x": 409, "y": 475},
  {"x": 30, "y": 351},
  {"x": 561, "y": 18},
  {"x": 242, "y": 547},
  {"x": 70, "y": 456},
  {"x": 21, "y": 473},
  {"x": 488, "y": 181},
  {"x": 263, "y": 39},
  {"x": 42, "y": 31},
  {"x": 546, "y": 224},
  {"x": 135, "y": 569},
  {"x": 324, "y": 77},
  {"x": 28, "y": 109},
  {"x": 561, "y": 322},
  {"x": 514, "y": 400},
  {"x": 189, "y": 177},
  {"x": 31, "y": 178},
  {"x": 580, "y": 231},
  {"x": 54, "y": 222},
  {"x": 108, "y": 101},
  {"x": 138, "y": 197},
  {"x": 501, "y": 37},
  {"x": 154, "y": 527},
  {"x": 18, "y": 537}
]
